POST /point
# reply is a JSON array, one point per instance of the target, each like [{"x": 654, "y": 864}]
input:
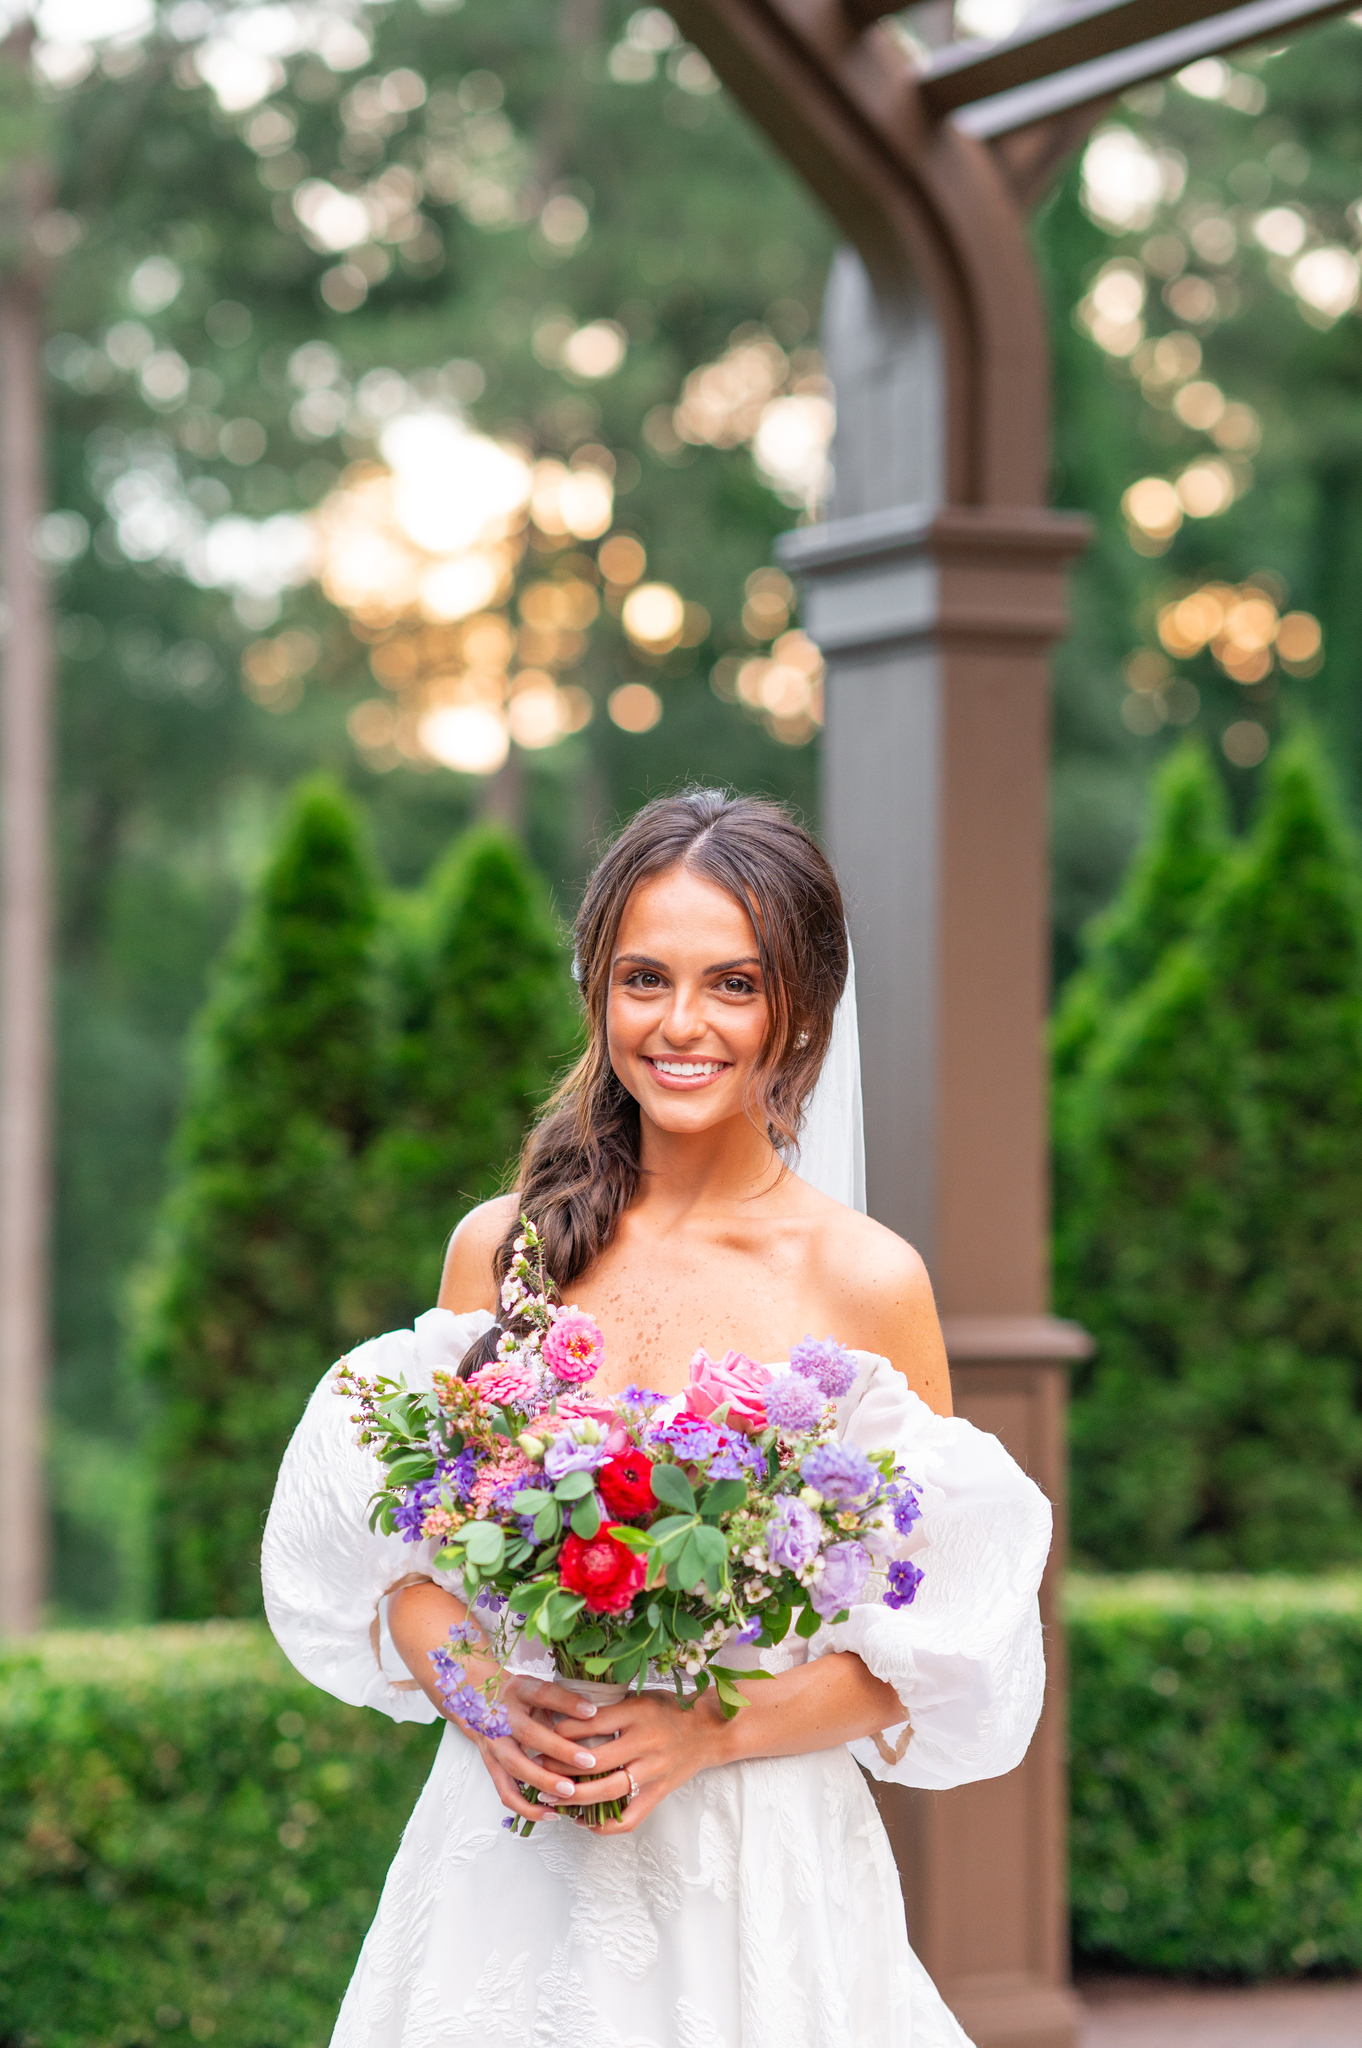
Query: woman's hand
[
  {"x": 549, "y": 1726},
  {"x": 659, "y": 1743}
]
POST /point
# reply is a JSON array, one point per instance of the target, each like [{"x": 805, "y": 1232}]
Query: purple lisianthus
[
  {"x": 566, "y": 1454},
  {"x": 824, "y": 1361},
  {"x": 839, "y": 1472},
  {"x": 793, "y": 1535},
  {"x": 846, "y": 1567},
  {"x": 792, "y": 1402},
  {"x": 907, "y": 1508},
  {"x": 904, "y": 1580}
]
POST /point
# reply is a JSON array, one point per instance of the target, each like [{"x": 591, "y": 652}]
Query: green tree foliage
[
  {"x": 1157, "y": 903},
  {"x": 1209, "y": 1236},
  {"x": 487, "y": 1018},
  {"x": 245, "y": 1304}
]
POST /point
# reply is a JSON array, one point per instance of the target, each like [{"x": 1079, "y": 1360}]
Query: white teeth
[{"x": 687, "y": 1070}]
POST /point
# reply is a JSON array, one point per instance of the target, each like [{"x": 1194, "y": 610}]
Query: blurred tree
[
  {"x": 244, "y": 1303},
  {"x": 1208, "y": 1231},
  {"x": 487, "y": 1017}
]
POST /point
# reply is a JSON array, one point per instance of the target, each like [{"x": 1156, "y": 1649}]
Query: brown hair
[{"x": 579, "y": 1168}]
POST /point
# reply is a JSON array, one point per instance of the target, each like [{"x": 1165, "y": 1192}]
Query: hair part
[{"x": 579, "y": 1168}]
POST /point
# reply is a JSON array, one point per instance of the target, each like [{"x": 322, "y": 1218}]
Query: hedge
[
  {"x": 1216, "y": 1759},
  {"x": 192, "y": 1840}
]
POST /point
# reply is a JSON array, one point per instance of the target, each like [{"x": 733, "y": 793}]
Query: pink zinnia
[{"x": 574, "y": 1347}]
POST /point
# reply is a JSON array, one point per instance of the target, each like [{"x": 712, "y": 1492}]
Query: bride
[{"x": 748, "y": 1897}]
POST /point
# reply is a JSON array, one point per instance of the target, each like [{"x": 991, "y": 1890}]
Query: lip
[{"x": 684, "y": 1084}]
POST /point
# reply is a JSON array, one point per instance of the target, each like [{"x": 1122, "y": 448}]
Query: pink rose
[
  {"x": 509, "y": 1386},
  {"x": 736, "y": 1380},
  {"x": 574, "y": 1347}
]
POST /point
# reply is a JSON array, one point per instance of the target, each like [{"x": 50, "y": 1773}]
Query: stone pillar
[{"x": 937, "y": 623}]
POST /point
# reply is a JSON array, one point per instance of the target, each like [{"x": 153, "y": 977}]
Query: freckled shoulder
[
  {"x": 882, "y": 1296},
  {"x": 467, "y": 1282}
]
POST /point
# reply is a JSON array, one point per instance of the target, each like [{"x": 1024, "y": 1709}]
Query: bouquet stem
[{"x": 593, "y": 1813}]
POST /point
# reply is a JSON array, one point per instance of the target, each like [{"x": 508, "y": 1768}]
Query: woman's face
[{"x": 687, "y": 1017}]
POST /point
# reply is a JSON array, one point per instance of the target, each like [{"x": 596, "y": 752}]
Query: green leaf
[
  {"x": 411, "y": 1466},
  {"x": 638, "y": 1540},
  {"x": 712, "y": 1545},
  {"x": 809, "y": 1622},
  {"x": 486, "y": 1546},
  {"x": 669, "y": 1526},
  {"x": 672, "y": 1487},
  {"x": 448, "y": 1560},
  {"x": 722, "y": 1496},
  {"x": 597, "y": 1665},
  {"x": 690, "y": 1566},
  {"x": 686, "y": 1627},
  {"x": 548, "y": 1522},
  {"x": 529, "y": 1500},
  {"x": 563, "y": 1612},
  {"x": 586, "y": 1518},
  {"x": 654, "y": 1615},
  {"x": 587, "y": 1640},
  {"x": 573, "y": 1485}
]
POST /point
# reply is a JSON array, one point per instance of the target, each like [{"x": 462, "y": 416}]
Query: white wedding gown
[{"x": 758, "y": 1907}]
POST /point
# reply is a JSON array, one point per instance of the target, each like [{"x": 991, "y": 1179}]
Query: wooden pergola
[{"x": 936, "y": 591}]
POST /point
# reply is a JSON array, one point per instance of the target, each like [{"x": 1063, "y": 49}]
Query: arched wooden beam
[{"x": 919, "y": 200}]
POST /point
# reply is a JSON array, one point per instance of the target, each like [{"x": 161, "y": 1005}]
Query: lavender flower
[
  {"x": 565, "y": 1454},
  {"x": 846, "y": 1567},
  {"x": 825, "y": 1362},
  {"x": 904, "y": 1580},
  {"x": 410, "y": 1513},
  {"x": 793, "y": 1535},
  {"x": 907, "y": 1508},
  {"x": 737, "y": 1457},
  {"x": 839, "y": 1472},
  {"x": 750, "y": 1630},
  {"x": 792, "y": 1402},
  {"x": 483, "y": 1716},
  {"x": 641, "y": 1397},
  {"x": 691, "y": 1439}
]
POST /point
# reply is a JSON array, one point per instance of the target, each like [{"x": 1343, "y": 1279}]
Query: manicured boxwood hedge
[
  {"x": 192, "y": 1840},
  {"x": 1216, "y": 1756}
]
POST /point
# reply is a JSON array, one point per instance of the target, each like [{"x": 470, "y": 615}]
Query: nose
[{"x": 684, "y": 1022}]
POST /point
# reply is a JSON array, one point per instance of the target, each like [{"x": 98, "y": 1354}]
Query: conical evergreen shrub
[
  {"x": 1158, "y": 902},
  {"x": 243, "y": 1303},
  {"x": 1211, "y": 1237},
  {"x": 488, "y": 1020}
]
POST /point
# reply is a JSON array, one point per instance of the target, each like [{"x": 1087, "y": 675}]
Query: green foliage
[
  {"x": 1156, "y": 906},
  {"x": 1207, "y": 1235},
  {"x": 192, "y": 1839},
  {"x": 246, "y": 1301},
  {"x": 1216, "y": 1787},
  {"x": 487, "y": 1017}
]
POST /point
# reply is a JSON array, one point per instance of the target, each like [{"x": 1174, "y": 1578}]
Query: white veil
[{"x": 832, "y": 1141}]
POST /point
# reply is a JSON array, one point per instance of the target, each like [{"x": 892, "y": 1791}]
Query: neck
[{"x": 704, "y": 1170}]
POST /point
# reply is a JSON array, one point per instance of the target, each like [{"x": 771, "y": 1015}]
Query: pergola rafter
[{"x": 935, "y": 589}]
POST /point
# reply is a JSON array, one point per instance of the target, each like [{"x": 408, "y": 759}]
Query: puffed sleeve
[
  {"x": 966, "y": 1657},
  {"x": 325, "y": 1575}
]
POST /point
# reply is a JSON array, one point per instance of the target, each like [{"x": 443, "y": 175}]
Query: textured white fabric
[
  {"x": 759, "y": 1907},
  {"x": 832, "y": 1140}
]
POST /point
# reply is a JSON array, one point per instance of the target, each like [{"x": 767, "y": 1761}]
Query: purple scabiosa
[
  {"x": 846, "y": 1567},
  {"x": 826, "y": 1362},
  {"x": 792, "y": 1402},
  {"x": 793, "y": 1535},
  {"x": 839, "y": 1472},
  {"x": 904, "y": 1580}
]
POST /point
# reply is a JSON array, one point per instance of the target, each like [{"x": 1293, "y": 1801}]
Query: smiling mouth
[{"x": 689, "y": 1073}]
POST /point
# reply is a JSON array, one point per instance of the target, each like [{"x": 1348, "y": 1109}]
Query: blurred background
[{"x": 425, "y": 385}]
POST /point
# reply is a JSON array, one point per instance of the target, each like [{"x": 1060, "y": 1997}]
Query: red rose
[
  {"x": 626, "y": 1484},
  {"x": 604, "y": 1571}
]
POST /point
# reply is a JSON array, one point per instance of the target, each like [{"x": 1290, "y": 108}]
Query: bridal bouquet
[{"x": 630, "y": 1534}]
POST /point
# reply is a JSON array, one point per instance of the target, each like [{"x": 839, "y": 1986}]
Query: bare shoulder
[
  {"x": 467, "y": 1281},
  {"x": 882, "y": 1296}
]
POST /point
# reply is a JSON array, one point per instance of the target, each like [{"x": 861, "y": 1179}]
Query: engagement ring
[{"x": 633, "y": 1783}]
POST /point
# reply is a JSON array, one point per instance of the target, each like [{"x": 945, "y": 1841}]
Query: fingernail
[
  {"x": 565, "y": 1788},
  {"x": 585, "y": 1759},
  {"x": 586, "y": 1708},
  {"x": 547, "y": 1799}
]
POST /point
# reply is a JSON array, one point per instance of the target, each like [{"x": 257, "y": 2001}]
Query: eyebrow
[{"x": 721, "y": 967}]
